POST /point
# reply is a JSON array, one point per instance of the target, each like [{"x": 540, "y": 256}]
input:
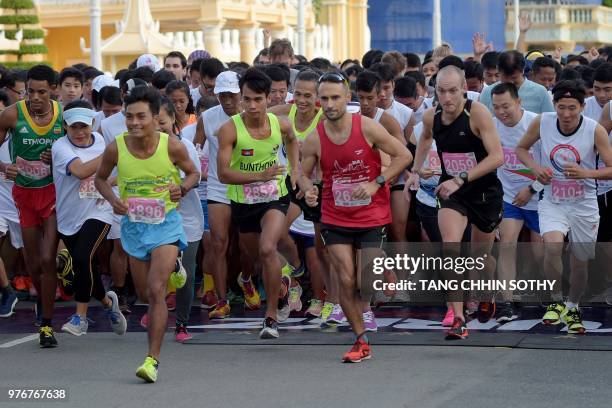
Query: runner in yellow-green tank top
[
  {"x": 148, "y": 164},
  {"x": 248, "y": 162}
]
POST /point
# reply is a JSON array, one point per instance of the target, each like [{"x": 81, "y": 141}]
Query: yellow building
[{"x": 229, "y": 29}]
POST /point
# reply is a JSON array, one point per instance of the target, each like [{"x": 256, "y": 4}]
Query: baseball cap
[
  {"x": 148, "y": 60},
  {"x": 227, "y": 81},
  {"x": 79, "y": 115},
  {"x": 101, "y": 81}
]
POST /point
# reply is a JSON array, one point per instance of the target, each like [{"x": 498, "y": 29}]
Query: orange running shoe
[{"x": 359, "y": 352}]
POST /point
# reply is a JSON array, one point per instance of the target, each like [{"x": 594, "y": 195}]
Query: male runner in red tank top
[{"x": 355, "y": 194}]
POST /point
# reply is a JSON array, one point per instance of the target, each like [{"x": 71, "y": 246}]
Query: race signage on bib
[
  {"x": 343, "y": 195},
  {"x": 87, "y": 189},
  {"x": 433, "y": 162},
  {"x": 564, "y": 191},
  {"x": 36, "y": 170},
  {"x": 262, "y": 192},
  {"x": 146, "y": 210},
  {"x": 456, "y": 163},
  {"x": 511, "y": 161}
]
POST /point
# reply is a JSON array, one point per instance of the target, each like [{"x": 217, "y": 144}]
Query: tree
[{"x": 21, "y": 22}]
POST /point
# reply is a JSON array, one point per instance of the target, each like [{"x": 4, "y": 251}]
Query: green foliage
[
  {"x": 23, "y": 64},
  {"x": 17, "y": 4},
  {"x": 27, "y": 34},
  {"x": 19, "y": 19},
  {"x": 33, "y": 49},
  {"x": 316, "y": 8}
]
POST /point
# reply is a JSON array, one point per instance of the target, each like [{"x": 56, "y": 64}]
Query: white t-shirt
[
  {"x": 603, "y": 186},
  {"x": 557, "y": 150},
  {"x": 213, "y": 119},
  {"x": 426, "y": 104},
  {"x": 592, "y": 109},
  {"x": 7, "y": 204},
  {"x": 195, "y": 95},
  {"x": 189, "y": 206},
  {"x": 426, "y": 192},
  {"x": 113, "y": 126},
  {"x": 203, "y": 154},
  {"x": 77, "y": 200},
  {"x": 189, "y": 132},
  {"x": 473, "y": 95},
  {"x": 401, "y": 113},
  {"x": 97, "y": 121},
  {"x": 513, "y": 175}
]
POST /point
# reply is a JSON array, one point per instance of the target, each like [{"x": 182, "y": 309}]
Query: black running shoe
[
  {"x": 486, "y": 311},
  {"x": 505, "y": 312},
  {"x": 47, "y": 338}
]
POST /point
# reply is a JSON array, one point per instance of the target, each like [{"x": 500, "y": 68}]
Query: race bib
[
  {"x": 566, "y": 190},
  {"x": 343, "y": 195},
  {"x": 262, "y": 192},
  {"x": 87, "y": 189},
  {"x": 433, "y": 162},
  {"x": 36, "y": 170},
  {"x": 456, "y": 163},
  {"x": 511, "y": 162},
  {"x": 146, "y": 210},
  {"x": 204, "y": 166}
]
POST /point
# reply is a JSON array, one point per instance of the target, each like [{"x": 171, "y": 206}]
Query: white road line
[{"x": 19, "y": 341}]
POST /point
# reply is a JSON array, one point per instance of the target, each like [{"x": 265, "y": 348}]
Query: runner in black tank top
[{"x": 469, "y": 191}]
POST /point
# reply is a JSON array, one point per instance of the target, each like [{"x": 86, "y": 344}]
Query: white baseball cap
[
  {"x": 148, "y": 60},
  {"x": 79, "y": 115},
  {"x": 227, "y": 81},
  {"x": 101, "y": 81}
]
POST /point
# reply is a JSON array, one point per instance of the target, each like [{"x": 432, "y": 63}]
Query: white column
[
  {"x": 95, "y": 34},
  {"x": 437, "y": 24},
  {"x": 212, "y": 38},
  {"x": 516, "y": 20},
  {"x": 301, "y": 27}
]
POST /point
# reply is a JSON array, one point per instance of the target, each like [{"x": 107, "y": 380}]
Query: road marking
[{"x": 19, "y": 341}]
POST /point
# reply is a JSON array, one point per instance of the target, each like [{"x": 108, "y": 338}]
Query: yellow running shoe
[
  {"x": 553, "y": 313},
  {"x": 252, "y": 300},
  {"x": 220, "y": 311},
  {"x": 573, "y": 319},
  {"x": 148, "y": 370}
]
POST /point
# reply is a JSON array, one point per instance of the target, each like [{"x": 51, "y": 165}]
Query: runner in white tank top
[{"x": 569, "y": 145}]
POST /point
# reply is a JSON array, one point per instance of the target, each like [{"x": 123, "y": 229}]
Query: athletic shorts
[
  {"x": 483, "y": 208},
  {"x": 34, "y": 205},
  {"x": 115, "y": 230},
  {"x": 371, "y": 237},
  {"x": 312, "y": 214},
  {"x": 307, "y": 241},
  {"x": 14, "y": 230},
  {"x": 605, "y": 213},
  {"x": 139, "y": 239},
  {"x": 248, "y": 216},
  {"x": 580, "y": 228},
  {"x": 530, "y": 217},
  {"x": 204, "y": 204}
]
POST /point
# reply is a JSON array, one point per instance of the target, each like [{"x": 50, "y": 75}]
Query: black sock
[
  {"x": 45, "y": 322},
  {"x": 118, "y": 290},
  {"x": 6, "y": 290}
]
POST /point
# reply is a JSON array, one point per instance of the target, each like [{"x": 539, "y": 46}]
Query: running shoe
[
  {"x": 283, "y": 308},
  {"x": 114, "y": 315},
  {"x": 315, "y": 308},
  {"x": 251, "y": 296},
  {"x": 337, "y": 315},
  {"x": 553, "y": 313},
  {"x": 325, "y": 312},
  {"x": 449, "y": 317},
  {"x": 458, "y": 330},
  {"x": 171, "y": 301},
  {"x": 178, "y": 277},
  {"x": 505, "y": 312},
  {"x": 295, "y": 298},
  {"x": 46, "y": 337},
  {"x": 181, "y": 334},
  {"x": 298, "y": 272},
  {"x": 76, "y": 325},
  {"x": 471, "y": 307},
  {"x": 359, "y": 352},
  {"x": 148, "y": 370},
  {"x": 234, "y": 298},
  {"x": 65, "y": 273},
  {"x": 144, "y": 321},
  {"x": 269, "y": 329},
  {"x": 209, "y": 300},
  {"x": 379, "y": 298},
  {"x": 221, "y": 311},
  {"x": 486, "y": 311},
  {"x": 369, "y": 322},
  {"x": 8, "y": 304},
  {"x": 573, "y": 319}
]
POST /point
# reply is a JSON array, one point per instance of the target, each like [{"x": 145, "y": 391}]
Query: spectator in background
[
  {"x": 474, "y": 76},
  {"x": 279, "y": 92},
  {"x": 71, "y": 85},
  {"x": 429, "y": 69},
  {"x": 575, "y": 60},
  {"x": 352, "y": 72},
  {"x": 322, "y": 64},
  {"x": 176, "y": 63},
  {"x": 586, "y": 74},
  {"x": 413, "y": 62},
  {"x": 209, "y": 69},
  {"x": 348, "y": 63},
  {"x": 441, "y": 51},
  {"x": 12, "y": 85},
  {"x": 370, "y": 58},
  {"x": 194, "y": 73},
  {"x": 543, "y": 72},
  {"x": 489, "y": 67},
  {"x": 89, "y": 74},
  {"x": 396, "y": 61},
  {"x": 263, "y": 57},
  {"x": 162, "y": 78}
]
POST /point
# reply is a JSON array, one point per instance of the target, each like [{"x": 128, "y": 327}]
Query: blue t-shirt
[{"x": 534, "y": 97}]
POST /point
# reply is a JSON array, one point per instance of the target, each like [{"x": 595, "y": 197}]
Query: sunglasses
[{"x": 333, "y": 77}]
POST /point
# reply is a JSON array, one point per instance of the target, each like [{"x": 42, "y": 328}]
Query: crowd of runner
[{"x": 201, "y": 181}]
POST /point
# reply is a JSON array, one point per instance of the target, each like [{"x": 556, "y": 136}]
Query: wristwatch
[
  {"x": 464, "y": 176},
  {"x": 380, "y": 180}
]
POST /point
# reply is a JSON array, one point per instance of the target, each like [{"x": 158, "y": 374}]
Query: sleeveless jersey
[
  {"x": 29, "y": 141},
  {"x": 460, "y": 150},
  {"x": 301, "y": 135},
  {"x": 146, "y": 178},
  {"x": 558, "y": 150},
  {"x": 344, "y": 167},
  {"x": 213, "y": 119},
  {"x": 252, "y": 155}
]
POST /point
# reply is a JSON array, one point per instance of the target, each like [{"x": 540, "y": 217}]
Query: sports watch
[{"x": 380, "y": 180}]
